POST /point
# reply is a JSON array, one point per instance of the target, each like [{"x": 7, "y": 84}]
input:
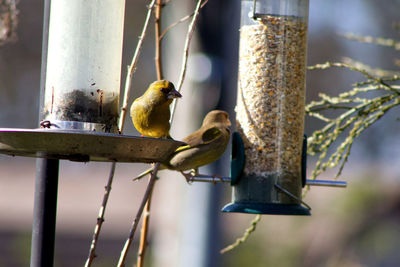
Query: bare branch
[
  {"x": 364, "y": 72},
  {"x": 135, "y": 223},
  {"x": 158, "y": 56},
  {"x": 372, "y": 40},
  {"x": 100, "y": 218},
  {"x": 180, "y": 21},
  {"x": 374, "y": 71},
  {"x": 189, "y": 36},
  {"x": 159, "y": 71},
  {"x": 132, "y": 67},
  {"x": 8, "y": 21},
  {"x": 144, "y": 233}
]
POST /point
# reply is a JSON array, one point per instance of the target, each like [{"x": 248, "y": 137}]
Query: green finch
[
  {"x": 204, "y": 146},
  {"x": 150, "y": 113}
]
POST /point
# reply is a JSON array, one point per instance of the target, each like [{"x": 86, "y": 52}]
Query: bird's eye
[{"x": 164, "y": 90}]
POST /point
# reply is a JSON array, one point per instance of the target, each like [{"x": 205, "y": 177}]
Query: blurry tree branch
[
  {"x": 100, "y": 218},
  {"x": 159, "y": 70},
  {"x": 188, "y": 40},
  {"x": 158, "y": 56},
  {"x": 8, "y": 21},
  {"x": 132, "y": 66},
  {"x": 373, "y": 40},
  {"x": 135, "y": 222},
  {"x": 180, "y": 21},
  {"x": 364, "y": 104},
  {"x": 246, "y": 234}
]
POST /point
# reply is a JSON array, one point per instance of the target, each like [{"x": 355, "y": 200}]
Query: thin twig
[
  {"x": 158, "y": 62},
  {"x": 135, "y": 223},
  {"x": 180, "y": 21},
  {"x": 246, "y": 234},
  {"x": 364, "y": 72},
  {"x": 100, "y": 218},
  {"x": 158, "y": 56},
  {"x": 128, "y": 84},
  {"x": 372, "y": 40},
  {"x": 132, "y": 66},
  {"x": 375, "y": 71},
  {"x": 189, "y": 36},
  {"x": 144, "y": 232}
]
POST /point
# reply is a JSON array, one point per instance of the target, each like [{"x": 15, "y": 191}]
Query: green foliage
[
  {"x": 360, "y": 107},
  {"x": 272, "y": 251},
  {"x": 246, "y": 234}
]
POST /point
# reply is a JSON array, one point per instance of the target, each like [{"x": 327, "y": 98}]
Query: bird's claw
[
  {"x": 193, "y": 176},
  {"x": 188, "y": 176},
  {"x": 48, "y": 124}
]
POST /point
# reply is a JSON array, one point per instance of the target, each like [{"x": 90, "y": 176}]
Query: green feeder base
[{"x": 271, "y": 208}]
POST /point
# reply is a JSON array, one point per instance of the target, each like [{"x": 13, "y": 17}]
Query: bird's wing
[
  {"x": 200, "y": 137},
  {"x": 210, "y": 135}
]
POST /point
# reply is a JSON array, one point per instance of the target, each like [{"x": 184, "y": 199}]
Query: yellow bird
[
  {"x": 150, "y": 113},
  {"x": 204, "y": 146}
]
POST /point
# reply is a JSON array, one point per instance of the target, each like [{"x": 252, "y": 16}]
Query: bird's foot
[
  {"x": 194, "y": 172},
  {"x": 189, "y": 176},
  {"x": 195, "y": 176}
]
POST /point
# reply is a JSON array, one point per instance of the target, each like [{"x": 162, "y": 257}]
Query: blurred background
[{"x": 357, "y": 226}]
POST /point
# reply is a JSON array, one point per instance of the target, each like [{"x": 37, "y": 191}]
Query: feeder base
[
  {"x": 271, "y": 208},
  {"x": 84, "y": 146}
]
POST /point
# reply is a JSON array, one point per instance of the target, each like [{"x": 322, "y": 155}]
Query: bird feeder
[
  {"x": 79, "y": 111},
  {"x": 80, "y": 89},
  {"x": 84, "y": 65},
  {"x": 270, "y": 107}
]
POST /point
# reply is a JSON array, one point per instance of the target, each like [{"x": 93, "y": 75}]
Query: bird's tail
[{"x": 140, "y": 176}]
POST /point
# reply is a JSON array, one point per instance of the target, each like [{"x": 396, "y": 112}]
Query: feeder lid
[{"x": 84, "y": 146}]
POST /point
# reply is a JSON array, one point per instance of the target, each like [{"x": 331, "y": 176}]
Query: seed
[{"x": 271, "y": 94}]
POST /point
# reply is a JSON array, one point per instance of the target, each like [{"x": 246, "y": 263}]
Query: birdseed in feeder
[
  {"x": 270, "y": 101},
  {"x": 80, "y": 106}
]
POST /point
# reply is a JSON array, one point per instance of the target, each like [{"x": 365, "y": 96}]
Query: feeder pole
[
  {"x": 46, "y": 185},
  {"x": 44, "y": 213}
]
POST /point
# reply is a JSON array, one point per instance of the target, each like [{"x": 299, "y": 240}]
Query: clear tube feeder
[
  {"x": 270, "y": 107},
  {"x": 84, "y": 65}
]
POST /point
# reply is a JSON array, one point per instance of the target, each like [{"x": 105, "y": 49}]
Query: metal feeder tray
[{"x": 84, "y": 146}]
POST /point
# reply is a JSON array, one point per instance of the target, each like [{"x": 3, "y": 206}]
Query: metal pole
[
  {"x": 46, "y": 184},
  {"x": 44, "y": 213}
]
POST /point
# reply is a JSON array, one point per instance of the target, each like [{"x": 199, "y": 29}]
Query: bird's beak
[{"x": 174, "y": 94}]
